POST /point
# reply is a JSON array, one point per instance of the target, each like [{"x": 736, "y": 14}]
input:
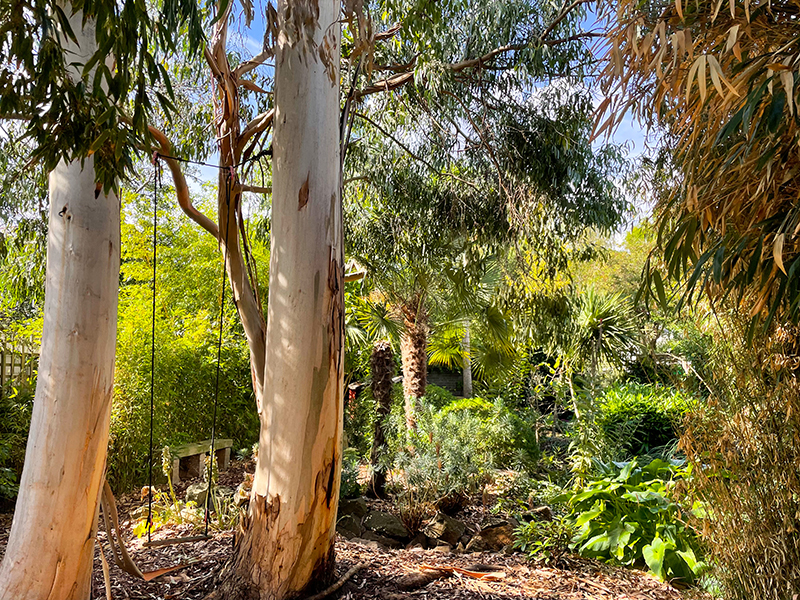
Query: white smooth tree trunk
[
  {"x": 285, "y": 544},
  {"x": 51, "y": 546},
  {"x": 467, "y": 372}
]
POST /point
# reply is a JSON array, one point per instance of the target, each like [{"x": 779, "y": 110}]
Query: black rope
[
  {"x": 230, "y": 175},
  {"x": 263, "y": 153},
  {"x": 228, "y": 182},
  {"x": 156, "y": 185}
]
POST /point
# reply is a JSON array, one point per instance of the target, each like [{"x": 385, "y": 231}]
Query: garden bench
[{"x": 188, "y": 460}]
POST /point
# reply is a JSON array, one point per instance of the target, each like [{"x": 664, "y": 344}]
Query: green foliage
[
  {"x": 72, "y": 117},
  {"x": 604, "y": 330},
  {"x": 187, "y": 330},
  {"x": 548, "y": 541},
  {"x": 438, "y": 397},
  {"x": 359, "y": 418},
  {"x": 640, "y": 419},
  {"x": 446, "y": 463},
  {"x": 16, "y": 407},
  {"x": 350, "y": 488},
  {"x": 8, "y": 478},
  {"x": 457, "y": 449},
  {"x": 507, "y": 438},
  {"x": 520, "y": 492},
  {"x": 629, "y": 516}
]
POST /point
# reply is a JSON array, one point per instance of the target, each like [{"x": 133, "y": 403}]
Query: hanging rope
[
  {"x": 156, "y": 186},
  {"x": 263, "y": 153},
  {"x": 229, "y": 177}
]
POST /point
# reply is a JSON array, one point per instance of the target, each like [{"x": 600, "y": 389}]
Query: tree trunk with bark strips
[
  {"x": 284, "y": 546},
  {"x": 381, "y": 364},
  {"x": 414, "y": 356},
  {"x": 51, "y": 548}
]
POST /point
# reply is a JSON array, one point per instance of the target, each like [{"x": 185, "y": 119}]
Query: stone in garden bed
[{"x": 386, "y": 524}]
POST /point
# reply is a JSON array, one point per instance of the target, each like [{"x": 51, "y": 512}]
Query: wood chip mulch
[
  {"x": 514, "y": 576},
  {"x": 518, "y": 578}
]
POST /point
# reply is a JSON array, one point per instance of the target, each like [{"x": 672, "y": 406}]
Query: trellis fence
[{"x": 18, "y": 363}]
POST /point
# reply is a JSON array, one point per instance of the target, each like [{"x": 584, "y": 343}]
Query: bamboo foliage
[{"x": 719, "y": 78}]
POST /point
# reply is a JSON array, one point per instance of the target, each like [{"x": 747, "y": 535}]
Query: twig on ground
[{"x": 342, "y": 580}]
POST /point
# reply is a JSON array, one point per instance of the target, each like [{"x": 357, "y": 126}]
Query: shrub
[
  {"x": 638, "y": 419},
  {"x": 507, "y": 439},
  {"x": 438, "y": 397},
  {"x": 456, "y": 450},
  {"x": 548, "y": 541},
  {"x": 520, "y": 492},
  {"x": 445, "y": 464},
  {"x": 186, "y": 338},
  {"x": 745, "y": 443},
  {"x": 629, "y": 516},
  {"x": 350, "y": 487},
  {"x": 16, "y": 407}
]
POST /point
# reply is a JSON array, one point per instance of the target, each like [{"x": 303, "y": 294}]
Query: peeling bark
[
  {"x": 50, "y": 550},
  {"x": 284, "y": 547}
]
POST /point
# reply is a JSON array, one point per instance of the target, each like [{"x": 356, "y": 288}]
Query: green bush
[
  {"x": 508, "y": 440},
  {"x": 16, "y": 407},
  {"x": 350, "y": 488},
  {"x": 638, "y": 419},
  {"x": 186, "y": 338},
  {"x": 456, "y": 450},
  {"x": 441, "y": 462},
  {"x": 548, "y": 541},
  {"x": 520, "y": 492},
  {"x": 359, "y": 418},
  {"x": 629, "y": 516},
  {"x": 438, "y": 397}
]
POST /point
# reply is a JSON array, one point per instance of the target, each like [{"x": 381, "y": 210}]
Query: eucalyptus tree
[
  {"x": 537, "y": 182},
  {"x": 286, "y": 540},
  {"x": 23, "y": 225},
  {"x": 53, "y": 76}
]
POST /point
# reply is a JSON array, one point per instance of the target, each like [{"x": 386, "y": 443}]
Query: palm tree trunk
[
  {"x": 381, "y": 364},
  {"x": 414, "y": 356}
]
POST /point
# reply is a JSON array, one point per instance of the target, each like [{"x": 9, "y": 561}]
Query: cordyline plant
[{"x": 719, "y": 78}]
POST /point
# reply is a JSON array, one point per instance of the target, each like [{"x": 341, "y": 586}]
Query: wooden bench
[{"x": 188, "y": 460}]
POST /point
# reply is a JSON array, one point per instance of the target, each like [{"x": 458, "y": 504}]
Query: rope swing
[
  {"x": 230, "y": 175},
  {"x": 110, "y": 518}
]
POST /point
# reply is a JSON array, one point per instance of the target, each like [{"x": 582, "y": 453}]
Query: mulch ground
[{"x": 514, "y": 577}]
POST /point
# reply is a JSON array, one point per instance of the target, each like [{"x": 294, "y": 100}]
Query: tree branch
[
  {"x": 181, "y": 189},
  {"x": 573, "y": 38},
  {"x": 253, "y": 63},
  {"x": 560, "y": 17},
  {"x": 396, "y": 141},
  {"x": 257, "y": 189},
  {"x": 257, "y": 125},
  {"x": 385, "y": 85},
  {"x": 388, "y": 34}
]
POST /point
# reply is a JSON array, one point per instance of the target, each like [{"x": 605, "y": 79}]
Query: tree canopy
[{"x": 720, "y": 81}]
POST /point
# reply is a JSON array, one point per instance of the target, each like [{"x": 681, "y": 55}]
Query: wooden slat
[
  {"x": 178, "y": 540},
  {"x": 199, "y": 448}
]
